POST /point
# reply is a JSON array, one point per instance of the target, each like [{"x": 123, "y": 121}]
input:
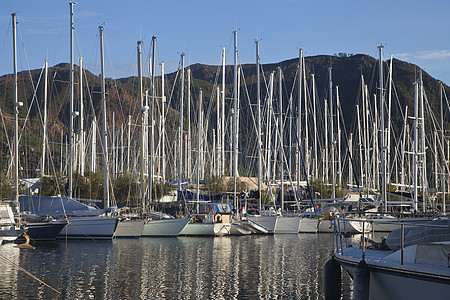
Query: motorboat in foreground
[{"x": 411, "y": 263}]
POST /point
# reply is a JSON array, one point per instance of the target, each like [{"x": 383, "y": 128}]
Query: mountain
[{"x": 122, "y": 99}]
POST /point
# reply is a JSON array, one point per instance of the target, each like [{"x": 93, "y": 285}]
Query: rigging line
[
  {"x": 27, "y": 272},
  {"x": 78, "y": 45},
  {"x": 4, "y": 127},
  {"x": 34, "y": 88},
  {"x": 54, "y": 170},
  {"x": 114, "y": 80},
  {"x": 173, "y": 89},
  {"x": 446, "y": 99},
  {"x": 212, "y": 103},
  {"x": 286, "y": 114},
  {"x": 355, "y": 173},
  {"x": 4, "y": 41},
  {"x": 31, "y": 105},
  {"x": 249, "y": 100},
  {"x": 249, "y": 103},
  {"x": 284, "y": 161},
  {"x": 304, "y": 168}
]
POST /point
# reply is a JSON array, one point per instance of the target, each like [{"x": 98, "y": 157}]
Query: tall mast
[
  {"x": 151, "y": 151},
  {"x": 82, "y": 163},
  {"x": 122, "y": 149},
  {"x": 325, "y": 175},
  {"x": 163, "y": 131},
  {"x": 422, "y": 144},
  {"x": 44, "y": 141},
  {"x": 444, "y": 168},
  {"x": 189, "y": 139},
  {"x": 180, "y": 148},
  {"x": 316, "y": 175},
  {"x": 141, "y": 121},
  {"x": 402, "y": 166},
  {"x": 235, "y": 154},
  {"x": 299, "y": 117},
  {"x": 216, "y": 148},
  {"x": 199, "y": 141},
  {"x": 290, "y": 142},
  {"x": 416, "y": 129},
  {"x": 360, "y": 145},
  {"x": 71, "y": 113},
  {"x": 269, "y": 130},
  {"x": 338, "y": 105},
  {"x": 105, "y": 131},
  {"x": 280, "y": 108},
  {"x": 94, "y": 145},
  {"x": 16, "y": 120},
  {"x": 258, "y": 104},
  {"x": 223, "y": 113},
  {"x": 382, "y": 132},
  {"x": 366, "y": 139},
  {"x": 113, "y": 145},
  {"x": 388, "y": 153},
  {"x": 333, "y": 192},
  {"x": 128, "y": 143},
  {"x": 350, "y": 167},
  {"x": 307, "y": 158}
]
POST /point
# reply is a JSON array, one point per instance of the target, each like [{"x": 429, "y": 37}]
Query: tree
[{"x": 6, "y": 187}]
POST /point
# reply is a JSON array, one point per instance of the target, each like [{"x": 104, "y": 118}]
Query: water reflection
[
  {"x": 9, "y": 255},
  {"x": 278, "y": 266}
]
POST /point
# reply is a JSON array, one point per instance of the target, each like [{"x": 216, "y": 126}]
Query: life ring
[{"x": 218, "y": 218}]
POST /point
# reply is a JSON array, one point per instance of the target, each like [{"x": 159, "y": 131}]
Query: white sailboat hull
[
  {"x": 206, "y": 229},
  {"x": 97, "y": 228},
  {"x": 287, "y": 224},
  {"x": 238, "y": 229},
  {"x": 351, "y": 227},
  {"x": 268, "y": 222},
  {"x": 254, "y": 227},
  {"x": 164, "y": 227},
  {"x": 129, "y": 229},
  {"x": 309, "y": 225}
]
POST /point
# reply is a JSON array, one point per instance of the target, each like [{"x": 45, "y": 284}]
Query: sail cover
[{"x": 56, "y": 207}]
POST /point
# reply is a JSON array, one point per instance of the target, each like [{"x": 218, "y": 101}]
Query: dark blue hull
[{"x": 45, "y": 231}]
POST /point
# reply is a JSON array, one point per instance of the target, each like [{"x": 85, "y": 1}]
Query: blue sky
[{"x": 415, "y": 31}]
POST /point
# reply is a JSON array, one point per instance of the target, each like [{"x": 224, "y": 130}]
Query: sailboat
[
  {"x": 287, "y": 221},
  {"x": 9, "y": 229},
  {"x": 96, "y": 225},
  {"x": 158, "y": 224},
  {"x": 37, "y": 228},
  {"x": 208, "y": 219},
  {"x": 260, "y": 223}
]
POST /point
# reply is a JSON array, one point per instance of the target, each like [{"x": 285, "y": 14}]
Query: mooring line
[
  {"x": 28, "y": 273},
  {"x": 77, "y": 228}
]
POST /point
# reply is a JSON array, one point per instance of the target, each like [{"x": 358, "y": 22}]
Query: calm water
[{"x": 248, "y": 267}]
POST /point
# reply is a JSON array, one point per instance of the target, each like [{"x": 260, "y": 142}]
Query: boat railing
[
  {"x": 341, "y": 237},
  {"x": 398, "y": 215}
]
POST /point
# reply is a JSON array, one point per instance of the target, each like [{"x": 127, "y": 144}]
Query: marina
[
  {"x": 319, "y": 177},
  {"x": 264, "y": 266}
]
